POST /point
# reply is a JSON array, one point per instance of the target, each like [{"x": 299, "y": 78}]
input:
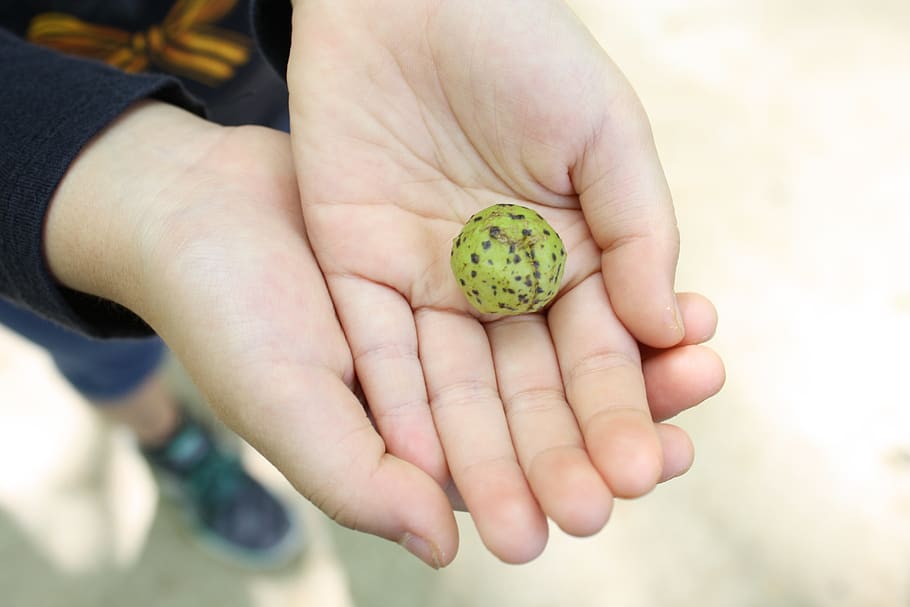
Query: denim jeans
[{"x": 99, "y": 369}]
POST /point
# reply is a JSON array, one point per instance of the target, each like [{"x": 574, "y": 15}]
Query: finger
[
  {"x": 314, "y": 430},
  {"x": 602, "y": 376},
  {"x": 471, "y": 423},
  {"x": 678, "y": 451},
  {"x": 699, "y": 319},
  {"x": 379, "y": 326},
  {"x": 380, "y": 494},
  {"x": 547, "y": 440},
  {"x": 680, "y": 378},
  {"x": 628, "y": 208}
]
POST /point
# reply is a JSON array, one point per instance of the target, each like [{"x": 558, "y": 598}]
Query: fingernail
[
  {"x": 680, "y": 326},
  {"x": 422, "y": 549}
]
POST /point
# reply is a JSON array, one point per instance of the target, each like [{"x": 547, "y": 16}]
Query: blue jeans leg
[{"x": 99, "y": 369}]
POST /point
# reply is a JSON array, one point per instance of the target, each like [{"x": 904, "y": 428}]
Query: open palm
[{"x": 407, "y": 117}]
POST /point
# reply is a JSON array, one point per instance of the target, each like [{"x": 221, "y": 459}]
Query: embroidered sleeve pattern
[{"x": 186, "y": 43}]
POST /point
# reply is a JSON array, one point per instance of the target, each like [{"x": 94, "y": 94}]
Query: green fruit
[{"x": 508, "y": 260}]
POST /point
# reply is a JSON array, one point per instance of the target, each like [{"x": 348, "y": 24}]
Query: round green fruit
[{"x": 508, "y": 260}]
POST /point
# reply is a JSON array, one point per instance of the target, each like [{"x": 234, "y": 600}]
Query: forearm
[{"x": 98, "y": 231}]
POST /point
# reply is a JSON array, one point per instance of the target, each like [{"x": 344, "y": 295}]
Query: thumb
[
  {"x": 628, "y": 208},
  {"x": 322, "y": 441}
]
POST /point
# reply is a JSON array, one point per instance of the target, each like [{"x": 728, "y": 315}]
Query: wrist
[{"x": 96, "y": 232}]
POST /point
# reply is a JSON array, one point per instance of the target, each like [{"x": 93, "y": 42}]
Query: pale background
[{"x": 783, "y": 128}]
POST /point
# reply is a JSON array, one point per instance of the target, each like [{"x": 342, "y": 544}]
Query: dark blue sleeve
[
  {"x": 271, "y": 20},
  {"x": 51, "y": 105}
]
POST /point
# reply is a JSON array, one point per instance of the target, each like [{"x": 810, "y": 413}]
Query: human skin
[
  {"x": 198, "y": 229},
  {"x": 408, "y": 116}
]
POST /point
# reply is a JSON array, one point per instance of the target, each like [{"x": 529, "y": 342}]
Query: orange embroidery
[{"x": 185, "y": 43}]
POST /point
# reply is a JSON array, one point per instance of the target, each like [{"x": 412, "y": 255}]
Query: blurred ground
[{"x": 783, "y": 128}]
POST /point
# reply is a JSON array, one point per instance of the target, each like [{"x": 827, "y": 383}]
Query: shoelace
[{"x": 214, "y": 481}]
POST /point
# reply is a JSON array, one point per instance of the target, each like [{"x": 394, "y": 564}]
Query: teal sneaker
[{"x": 231, "y": 513}]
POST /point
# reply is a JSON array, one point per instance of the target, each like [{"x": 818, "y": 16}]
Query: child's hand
[
  {"x": 407, "y": 117},
  {"x": 198, "y": 229}
]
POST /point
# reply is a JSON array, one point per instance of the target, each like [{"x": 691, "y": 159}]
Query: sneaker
[{"x": 232, "y": 514}]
